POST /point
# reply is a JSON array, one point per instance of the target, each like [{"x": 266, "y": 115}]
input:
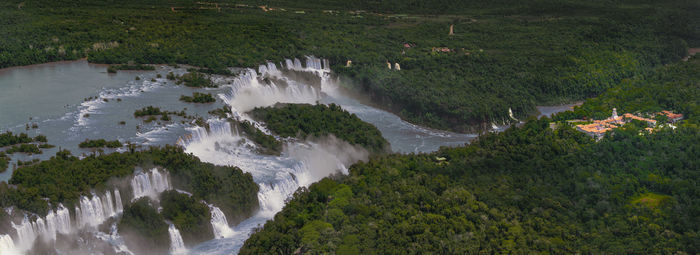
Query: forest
[
  {"x": 316, "y": 121},
  {"x": 531, "y": 189},
  {"x": 501, "y": 55},
  {"x": 527, "y": 190}
]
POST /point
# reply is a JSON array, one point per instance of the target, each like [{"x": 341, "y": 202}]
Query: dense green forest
[
  {"x": 529, "y": 189},
  {"x": 64, "y": 178},
  {"x": 307, "y": 121},
  {"x": 502, "y": 54}
]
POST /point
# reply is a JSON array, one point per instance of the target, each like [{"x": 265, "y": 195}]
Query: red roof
[{"x": 672, "y": 115}]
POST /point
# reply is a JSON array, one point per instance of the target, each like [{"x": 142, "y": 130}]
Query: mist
[{"x": 325, "y": 156}]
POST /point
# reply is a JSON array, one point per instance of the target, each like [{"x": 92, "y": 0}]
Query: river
[{"x": 54, "y": 96}]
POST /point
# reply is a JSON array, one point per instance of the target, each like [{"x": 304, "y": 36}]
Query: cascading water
[
  {"x": 219, "y": 223},
  {"x": 118, "y": 201},
  {"x": 277, "y": 176},
  {"x": 7, "y": 246},
  {"x": 149, "y": 184},
  {"x": 25, "y": 234},
  {"x": 267, "y": 68},
  {"x": 108, "y": 205},
  {"x": 115, "y": 240},
  {"x": 247, "y": 92},
  {"x": 177, "y": 246},
  {"x": 56, "y": 221},
  {"x": 92, "y": 212}
]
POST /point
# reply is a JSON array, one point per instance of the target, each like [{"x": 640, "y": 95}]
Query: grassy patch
[{"x": 651, "y": 200}]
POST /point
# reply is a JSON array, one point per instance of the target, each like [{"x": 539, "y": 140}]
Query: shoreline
[{"x": 2, "y": 70}]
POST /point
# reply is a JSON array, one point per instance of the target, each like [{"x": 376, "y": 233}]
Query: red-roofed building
[{"x": 673, "y": 117}]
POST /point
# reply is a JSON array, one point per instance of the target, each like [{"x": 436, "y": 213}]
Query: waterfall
[
  {"x": 267, "y": 68},
  {"x": 25, "y": 234},
  {"x": 289, "y": 64},
  {"x": 219, "y": 223},
  {"x": 247, "y": 92},
  {"x": 297, "y": 64},
  {"x": 313, "y": 63},
  {"x": 160, "y": 183},
  {"x": 262, "y": 69},
  {"x": 118, "y": 201},
  {"x": 56, "y": 221},
  {"x": 7, "y": 246},
  {"x": 108, "y": 204},
  {"x": 177, "y": 246},
  {"x": 92, "y": 212},
  {"x": 149, "y": 184}
]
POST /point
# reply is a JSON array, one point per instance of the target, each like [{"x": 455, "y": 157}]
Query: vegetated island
[
  {"x": 100, "y": 143},
  {"x": 314, "y": 121},
  {"x": 20, "y": 143},
  {"x": 198, "y": 98}
]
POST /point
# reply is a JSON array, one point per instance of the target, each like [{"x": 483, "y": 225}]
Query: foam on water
[
  {"x": 115, "y": 240},
  {"x": 91, "y": 107},
  {"x": 177, "y": 246}
]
